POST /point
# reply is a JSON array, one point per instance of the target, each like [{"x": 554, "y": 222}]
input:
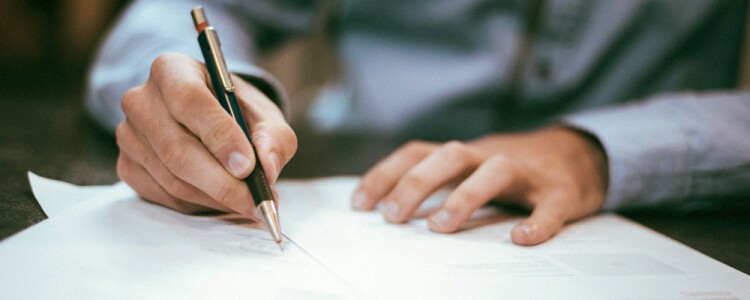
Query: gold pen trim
[
  {"x": 218, "y": 57},
  {"x": 201, "y": 24},
  {"x": 267, "y": 208}
]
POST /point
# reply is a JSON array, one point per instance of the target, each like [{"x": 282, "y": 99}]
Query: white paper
[
  {"x": 602, "y": 257},
  {"x": 117, "y": 246},
  {"x": 56, "y": 196}
]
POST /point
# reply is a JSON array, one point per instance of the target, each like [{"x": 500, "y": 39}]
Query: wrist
[{"x": 590, "y": 154}]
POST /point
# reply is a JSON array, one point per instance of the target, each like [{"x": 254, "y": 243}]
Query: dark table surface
[{"x": 51, "y": 135}]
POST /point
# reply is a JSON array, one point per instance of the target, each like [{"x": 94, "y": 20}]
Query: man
[{"x": 557, "y": 106}]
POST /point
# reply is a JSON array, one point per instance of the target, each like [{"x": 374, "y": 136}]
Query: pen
[{"x": 224, "y": 88}]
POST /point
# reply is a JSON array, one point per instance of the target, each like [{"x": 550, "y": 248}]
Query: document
[
  {"x": 55, "y": 196},
  {"x": 115, "y": 245}
]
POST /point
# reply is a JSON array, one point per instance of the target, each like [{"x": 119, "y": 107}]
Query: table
[{"x": 51, "y": 135}]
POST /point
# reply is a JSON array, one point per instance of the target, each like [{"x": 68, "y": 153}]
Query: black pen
[{"x": 224, "y": 88}]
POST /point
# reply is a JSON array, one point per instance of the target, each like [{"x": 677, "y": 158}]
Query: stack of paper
[{"x": 115, "y": 245}]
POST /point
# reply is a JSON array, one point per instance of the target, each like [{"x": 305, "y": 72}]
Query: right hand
[{"x": 180, "y": 149}]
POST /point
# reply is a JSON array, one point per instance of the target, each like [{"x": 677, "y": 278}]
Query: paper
[
  {"x": 117, "y": 246},
  {"x": 602, "y": 257},
  {"x": 56, "y": 196}
]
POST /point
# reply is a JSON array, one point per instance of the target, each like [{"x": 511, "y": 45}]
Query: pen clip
[
  {"x": 214, "y": 45},
  {"x": 218, "y": 58}
]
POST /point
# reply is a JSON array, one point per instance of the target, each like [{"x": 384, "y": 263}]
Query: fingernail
[
  {"x": 275, "y": 163},
  {"x": 526, "y": 229},
  {"x": 391, "y": 211},
  {"x": 442, "y": 218},
  {"x": 238, "y": 163},
  {"x": 360, "y": 200}
]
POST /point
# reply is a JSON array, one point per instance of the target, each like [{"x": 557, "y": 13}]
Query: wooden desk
[{"x": 52, "y": 136}]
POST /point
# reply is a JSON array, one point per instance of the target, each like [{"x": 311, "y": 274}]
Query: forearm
[{"x": 673, "y": 147}]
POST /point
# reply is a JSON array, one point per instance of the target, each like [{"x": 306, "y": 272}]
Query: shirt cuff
[{"x": 646, "y": 153}]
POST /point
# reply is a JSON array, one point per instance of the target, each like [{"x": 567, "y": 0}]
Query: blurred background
[
  {"x": 47, "y": 44},
  {"x": 45, "y": 48}
]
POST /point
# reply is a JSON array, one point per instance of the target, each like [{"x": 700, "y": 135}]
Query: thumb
[{"x": 545, "y": 221}]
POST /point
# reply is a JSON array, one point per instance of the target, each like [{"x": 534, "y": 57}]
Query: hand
[
  {"x": 181, "y": 149},
  {"x": 558, "y": 173}
]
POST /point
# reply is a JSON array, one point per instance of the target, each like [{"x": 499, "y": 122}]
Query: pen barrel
[{"x": 256, "y": 181}]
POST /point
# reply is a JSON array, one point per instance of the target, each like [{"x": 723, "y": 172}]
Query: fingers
[
  {"x": 554, "y": 172},
  {"x": 180, "y": 146},
  {"x": 182, "y": 153},
  {"x": 140, "y": 180},
  {"x": 272, "y": 136},
  {"x": 182, "y": 84},
  {"x": 134, "y": 150},
  {"x": 193, "y": 105},
  {"x": 444, "y": 164},
  {"x": 381, "y": 179},
  {"x": 496, "y": 177}
]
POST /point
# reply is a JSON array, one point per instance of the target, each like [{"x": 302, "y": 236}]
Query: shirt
[{"x": 649, "y": 79}]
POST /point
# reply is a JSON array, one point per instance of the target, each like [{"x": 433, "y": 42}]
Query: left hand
[{"x": 558, "y": 173}]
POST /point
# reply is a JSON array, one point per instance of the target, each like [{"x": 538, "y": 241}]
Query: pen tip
[{"x": 280, "y": 247}]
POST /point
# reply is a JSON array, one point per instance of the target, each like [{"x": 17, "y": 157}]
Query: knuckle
[
  {"x": 291, "y": 139},
  {"x": 284, "y": 139},
  {"x": 466, "y": 195},
  {"x": 161, "y": 63},
  {"x": 177, "y": 188},
  {"x": 499, "y": 162},
  {"x": 289, "y": 143},
  {"x": 179, "y": 98},
  {"x": 369, "y": 180},
  {"x": 455, "y": 151},
  {"x": 121, "y": 135},
  {"x": 130, "y": 103},
  {"x": 415, "y": 150},
  {"x": 225, "y": 194},
  {"x": 218, "y": 133},
  {"x": 414, "y": 146},
  {"x": 150, "y": 162},
  {"x": 123, "y": 169},
  {"x": 415, "y": 182},
  {"x": 374, "y": 178},
  {"x": 175, "y": 156}
]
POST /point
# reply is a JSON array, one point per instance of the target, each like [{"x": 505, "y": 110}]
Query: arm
[
  {"x": 673, "y": 147},
  {"x": 668, "y": 148}
]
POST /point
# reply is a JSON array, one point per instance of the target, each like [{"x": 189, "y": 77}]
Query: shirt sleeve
[
  {"x": 673, "y": 147},
  {"x": 150, "y": 28}
]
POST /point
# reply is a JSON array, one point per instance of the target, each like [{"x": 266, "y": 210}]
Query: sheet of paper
[
  {"x": 603, "y": 257},
  {"x": 57, "y": 196},
  {"x": 117, "y": 246}
]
